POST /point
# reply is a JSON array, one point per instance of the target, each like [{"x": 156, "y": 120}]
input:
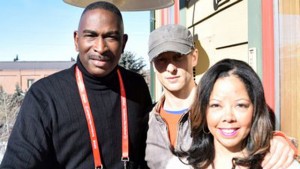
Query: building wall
[
  {"x": 10, "y": 79},
  {"x": 23, "y": 74},
  {"x": 220, "y": 30},
  {"x": 219, "y": 33}
]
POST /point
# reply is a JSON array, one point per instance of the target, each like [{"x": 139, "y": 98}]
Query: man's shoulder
[
  {"x": 62, "y": 74},
  {"x": 129, "y": 72},
  {"x": 131, "y": 75},
  {"x": 55, "y": 78}
]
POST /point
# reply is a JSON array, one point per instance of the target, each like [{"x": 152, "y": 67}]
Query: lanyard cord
[
  {"x": 125, "y": 149},
  {"x": 90, "y": 119}
]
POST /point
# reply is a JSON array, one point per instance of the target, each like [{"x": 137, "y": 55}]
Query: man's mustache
[{"x": 99, "y": 57}]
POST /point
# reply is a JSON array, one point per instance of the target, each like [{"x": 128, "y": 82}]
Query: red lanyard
[{"x": 90, "y": 120}]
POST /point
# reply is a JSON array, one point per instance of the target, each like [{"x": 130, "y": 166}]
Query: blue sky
[{"x": 42, "y": 30}]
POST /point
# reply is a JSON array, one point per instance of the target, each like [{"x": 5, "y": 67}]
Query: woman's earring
[
  {"x": 194, "y": 73},
  {"x": 205, "y": 132}
]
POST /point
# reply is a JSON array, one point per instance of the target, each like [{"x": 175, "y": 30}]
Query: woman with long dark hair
[{"x": 231, "y": 122}]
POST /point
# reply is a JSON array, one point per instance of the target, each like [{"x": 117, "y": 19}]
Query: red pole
[
  {"x": 268, "y": 51},
  {"x": 176, "y": 11}
]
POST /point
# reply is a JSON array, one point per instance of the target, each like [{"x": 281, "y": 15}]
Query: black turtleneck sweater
[{"x": 51, "y": 131}]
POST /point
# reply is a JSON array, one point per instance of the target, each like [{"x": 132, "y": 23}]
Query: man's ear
[
  {"x": 75, "y": 36},
  {"x": 195, "y": 57},
  {"x": 125, "y": 38}
]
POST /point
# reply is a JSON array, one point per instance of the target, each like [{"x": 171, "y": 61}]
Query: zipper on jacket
[
  {"x": 167, "y": 130},
  {"x": 176, "y": 146}
]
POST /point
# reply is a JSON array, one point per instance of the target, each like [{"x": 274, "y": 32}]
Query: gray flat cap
[{"x": 170, "y": 38}]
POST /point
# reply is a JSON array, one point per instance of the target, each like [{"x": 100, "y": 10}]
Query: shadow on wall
[
  {"x": 189, "y": 3},
  {"x": 203, "y": 60}
]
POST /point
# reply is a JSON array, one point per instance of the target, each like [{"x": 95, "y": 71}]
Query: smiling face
[
  {"x": 229, "y": 113},
  {"x": 100, "y": 41}
]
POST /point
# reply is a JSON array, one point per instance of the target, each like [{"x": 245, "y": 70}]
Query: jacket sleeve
[{"x": 29, "y": 142}]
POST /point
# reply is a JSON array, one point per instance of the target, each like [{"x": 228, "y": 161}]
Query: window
[{"x": 29, "y": 82}]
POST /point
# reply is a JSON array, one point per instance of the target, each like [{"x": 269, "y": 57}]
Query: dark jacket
[{"x": 51, "y": 131}]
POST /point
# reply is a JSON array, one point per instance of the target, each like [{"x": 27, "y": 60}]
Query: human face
[
  {"x": 175, "y": 71},
  {"x": 229, "y": 113},
  {"x": 100, "y": 41}
]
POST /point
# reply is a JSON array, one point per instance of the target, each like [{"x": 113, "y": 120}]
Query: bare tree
[
  {"x": 131, "y": 62},
  {"x": 9, "y": 108}
]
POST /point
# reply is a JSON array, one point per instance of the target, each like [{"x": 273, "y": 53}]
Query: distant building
[{"x": 23, "y": 74}]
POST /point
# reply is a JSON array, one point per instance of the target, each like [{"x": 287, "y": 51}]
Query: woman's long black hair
[{"x": 257, "y": 143}]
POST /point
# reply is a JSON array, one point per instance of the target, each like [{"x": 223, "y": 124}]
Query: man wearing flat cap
[{"x": 173, "y": 55}]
